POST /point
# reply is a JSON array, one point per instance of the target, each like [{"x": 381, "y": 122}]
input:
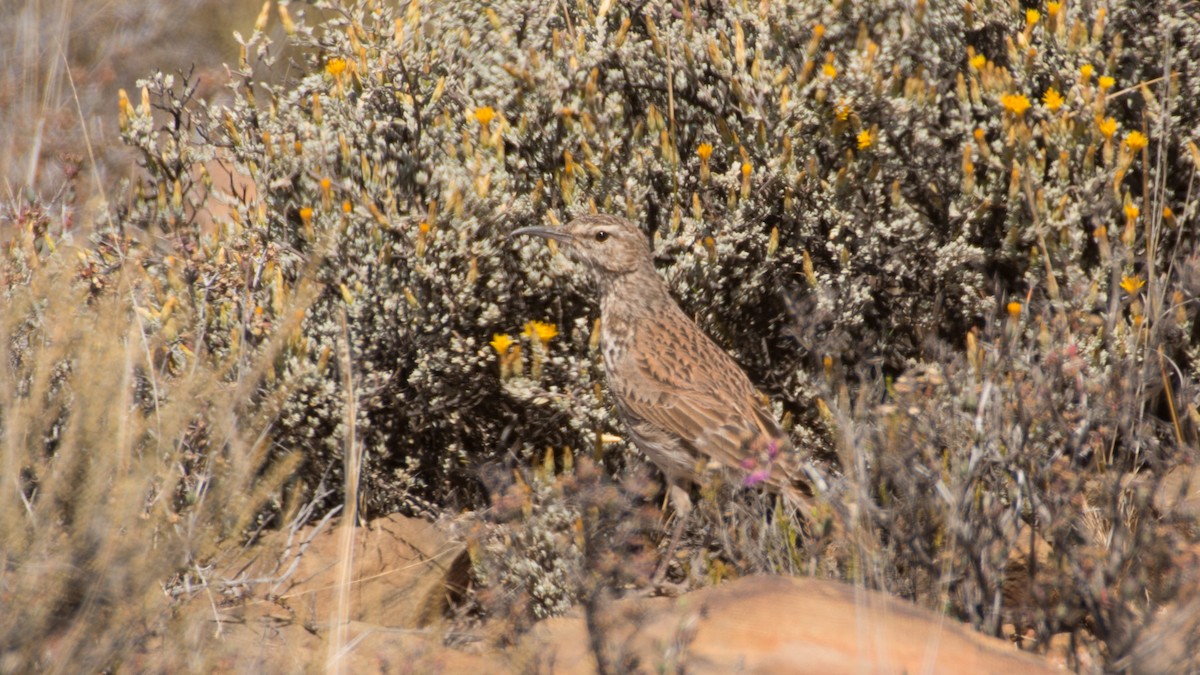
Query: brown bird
[{"x": 687, "y": 404}]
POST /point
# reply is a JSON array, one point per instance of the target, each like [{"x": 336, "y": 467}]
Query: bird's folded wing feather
[
  {"x": 705, "y": 431},
  {"x": 724, "y": 428}
]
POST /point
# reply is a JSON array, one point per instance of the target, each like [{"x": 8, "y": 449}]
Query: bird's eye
[{"x": 601, "y": 236}]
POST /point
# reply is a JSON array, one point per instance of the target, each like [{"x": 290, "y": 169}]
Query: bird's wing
[
  {"x": 702, "y": 430},
  {"x": 710, "y": 406}
]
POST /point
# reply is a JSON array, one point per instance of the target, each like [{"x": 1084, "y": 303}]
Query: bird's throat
[{"x": 634, "y": 295}]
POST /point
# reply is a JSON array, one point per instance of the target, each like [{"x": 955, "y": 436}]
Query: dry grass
[
  {"x": 121, "y": 489},
  {"x": 61, "y": 67}
]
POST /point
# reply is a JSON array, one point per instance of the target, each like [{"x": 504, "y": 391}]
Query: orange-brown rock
[
  {"x": 402, "y": 569},
  {"x": 783, "y": 625}
]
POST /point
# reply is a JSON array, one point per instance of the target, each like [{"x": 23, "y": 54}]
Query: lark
[{"x": 686, "y": 403}]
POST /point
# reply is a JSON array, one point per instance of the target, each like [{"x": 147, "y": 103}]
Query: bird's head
[{"x": 607, "y": 245}]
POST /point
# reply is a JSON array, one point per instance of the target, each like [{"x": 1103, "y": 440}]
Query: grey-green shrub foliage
[{"x": 413, "y": 138}]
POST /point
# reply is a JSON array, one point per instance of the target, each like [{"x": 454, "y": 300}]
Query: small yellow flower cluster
[
  {"x": 422, "y": 238},
  {"x": 1032, "y": 16},
  {"x": 501, "y": 342},
  {"x": 511, "y": 360},
  {"x": 485, "y": 115},
  {"x": 335, "y": 67},
  {"x": 1132, "y": 212},
  {"x": 1052, "y": 99},
  {"x": 1136, "y": 141},
  {"x": 1132, "y": 284},
  {"x": 327, "y": 194},
  {"x": 704, "y": 152},
  {"x": 512, "y": 363},
  {"x": 306, "y": 217},
  {"x": 1016, "y": 104},
  {"x": 540, "y": 330}
]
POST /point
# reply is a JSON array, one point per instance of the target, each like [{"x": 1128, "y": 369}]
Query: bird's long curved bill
[{"x": 543, "y": 232}]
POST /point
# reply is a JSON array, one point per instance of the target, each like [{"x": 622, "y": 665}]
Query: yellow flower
[
  {"x": 1052, "y": 8},
  {"x": 1106, "y": 82},
  {"x": 819, "y": 31},
  {"x": 1014, "y": 309},
  {"x": 842, "y": 110},
  {"x": 978, "y": 61},
  {"x": 544, "y": 332},
  {"x": 1085, "y": 71},
  {"x": 1016, "y": 104},
  {"x": 1032, "y": 16},
  {"x": 1108, "y": 127},
  {"x": 1133, "y": 284},
  {"x": 306, "y": 214},
  {"x": 1053, "y": 99},
  {"x": 830, "y": 70},
  {"x": 705, "y": 151},
  {"x": 501, "y": 343},
  {"x": 1136, "y": 140},
  {"x": 335, "y": 67},
  {"x": 1132, "y": 212},
  {"x": 865, "y": 139},
  {"x": 485, "y": 114}
]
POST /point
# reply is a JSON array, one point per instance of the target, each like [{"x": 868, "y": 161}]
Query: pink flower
[{"x": 756, "y": 477}]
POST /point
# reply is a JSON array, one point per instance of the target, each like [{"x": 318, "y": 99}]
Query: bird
[{"x": 687, "y": 405}]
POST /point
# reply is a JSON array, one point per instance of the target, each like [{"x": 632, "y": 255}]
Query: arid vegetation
[{"x": 955, "y": 243}]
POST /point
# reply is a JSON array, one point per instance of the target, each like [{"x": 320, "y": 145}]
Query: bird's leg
[{"x": 682, "y": 504}]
